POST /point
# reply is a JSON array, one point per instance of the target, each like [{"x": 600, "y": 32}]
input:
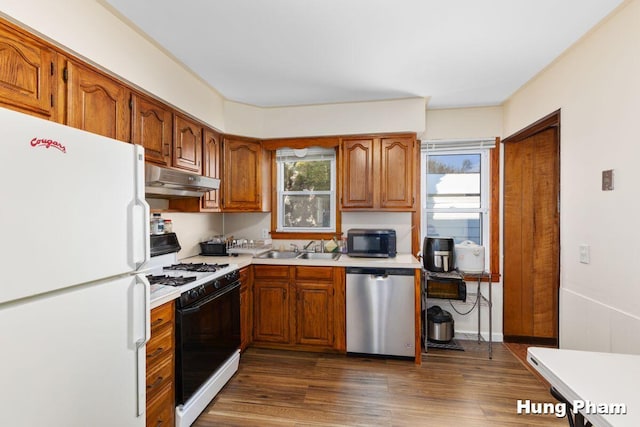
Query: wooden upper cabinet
[
  {"x": 211, "y": 151},
  {"x": 97, "y": 103},
  {"x": 357, "y": 173},
  {"x": 26, "y": 68},
  {"x": 378, "y": 173},
  {"x": 187, "y": 144},
  {"x": 246, "y": 179},
  {"x": 397, "y": 173},
  {"x": 152, "y": 127}
]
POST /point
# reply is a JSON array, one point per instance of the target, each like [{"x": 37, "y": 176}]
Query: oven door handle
[{"x": 197, "y": 307}]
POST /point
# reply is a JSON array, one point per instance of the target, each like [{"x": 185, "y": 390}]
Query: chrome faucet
[
  {"x": 294, "y": 247},
  {"x": 306, "y": 247}
]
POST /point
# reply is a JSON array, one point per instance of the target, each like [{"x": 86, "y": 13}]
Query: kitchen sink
[
  {"x": 278, "y": 255},
  {"x": 319, "y": 255},
  {"x": 304, "y": 255}
]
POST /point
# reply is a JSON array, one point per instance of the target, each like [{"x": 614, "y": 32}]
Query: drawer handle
[
  {"x": 159, "y": 423},
  {"x": 155, "y": 383},
  {"x": 157, "y": 322},
  {"x": 155, "y": 353}
]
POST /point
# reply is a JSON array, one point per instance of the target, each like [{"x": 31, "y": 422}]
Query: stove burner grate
[
  {"x": 169, "y": 280},
  {"x": 197, "y": 267}
]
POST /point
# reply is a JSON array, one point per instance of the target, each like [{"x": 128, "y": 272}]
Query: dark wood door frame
[{"x": 550, "y": 121}]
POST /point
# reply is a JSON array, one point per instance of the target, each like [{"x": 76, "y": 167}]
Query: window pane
[
  {"x": 453, "y": 181},
  {"x": 302, "y": 211},
  {"x": 307, "y": 175},
  {"x": 459, "y": 225}
]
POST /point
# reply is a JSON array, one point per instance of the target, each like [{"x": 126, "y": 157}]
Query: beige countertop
[
  {"x": 160, "y": 296},
  {"x": 400, "y": 261}
]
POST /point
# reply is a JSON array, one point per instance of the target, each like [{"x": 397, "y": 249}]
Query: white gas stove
[
  {"x": 207, "y": 353},
  {"x": 165, "y": 270}
]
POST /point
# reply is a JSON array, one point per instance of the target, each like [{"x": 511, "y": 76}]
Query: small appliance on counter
[
  {"x": 469, "y": 257},
  {"x": 371, "y": 243},
  {"x": 439, "y": 325},
  {"x": 216, "y": 246},
  {"x": 438, "y": 254}
]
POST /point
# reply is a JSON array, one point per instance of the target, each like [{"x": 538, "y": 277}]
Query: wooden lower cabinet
[
  {"x": 161, "y": 367},
  {"x": 271, "y": 322},
  {"x": 246, "y": 308},
  {"x": 296, "y": 307}
]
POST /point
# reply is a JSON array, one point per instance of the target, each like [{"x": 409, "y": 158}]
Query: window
[
  {"x": 456, "y": 191},
  {"x": 306, "y": 190}
]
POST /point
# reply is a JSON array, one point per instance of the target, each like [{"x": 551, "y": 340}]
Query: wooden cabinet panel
[
  {"x": 159, "y": 413},
  {"x": 309, "y": 319},
  {"x": 212, "y": 152},
  {"x": 187, "y": 144},
  {"x": 271, "y": 311},
  {"x": 160, "y": 363},
  {"x": 379, "y": 173},
  {"x": 97, "y": 103},
  {"x": 314, "y": 273},
  {"x": 26, "y": 68},
  {"x": 357, "y": 173},
  {"x": 314, "y": 314},
  {"x": 246, "y": 308},
  {"x": 247, "y": 176},
  {"x": 152, "y": 127},
  {"x": 396, "y": 173},
  {"x": 271, "y": 271}
]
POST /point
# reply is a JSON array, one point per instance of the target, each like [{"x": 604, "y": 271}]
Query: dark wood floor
[{"x": 451, "y": 388}]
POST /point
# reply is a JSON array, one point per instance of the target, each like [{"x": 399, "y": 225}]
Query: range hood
[{"x": 164, "y": 183}]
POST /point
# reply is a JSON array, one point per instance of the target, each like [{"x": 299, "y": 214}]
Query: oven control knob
[
  {"x": 216, "y": 284},
  {"x": 193, "y": 293},
  {"x": 201, "y": 290}
]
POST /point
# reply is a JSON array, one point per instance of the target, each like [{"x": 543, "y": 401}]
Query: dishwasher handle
[{"x": 381, "y": 271}]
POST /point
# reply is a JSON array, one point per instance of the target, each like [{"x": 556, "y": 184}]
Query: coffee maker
[{"x": 437, "y": 254}]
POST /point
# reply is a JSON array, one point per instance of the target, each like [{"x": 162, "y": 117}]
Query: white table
[{"x": 591, "y": 377}]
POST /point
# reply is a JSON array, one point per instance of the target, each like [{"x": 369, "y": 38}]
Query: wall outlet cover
[{"x": 607, "y": 180}]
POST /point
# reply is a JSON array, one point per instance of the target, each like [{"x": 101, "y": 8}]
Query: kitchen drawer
[
  {"x": 159, "y": 346},
  {"x": 271, "y": 271},
  {"x": 314, "y": 273},
  {"x": 161, "y": 316},
  {"x": 158, "y": 376},
  {"x": 160, "y": 409}
]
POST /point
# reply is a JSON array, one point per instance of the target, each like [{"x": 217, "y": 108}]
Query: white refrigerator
[{"x": 74, "y": 300}]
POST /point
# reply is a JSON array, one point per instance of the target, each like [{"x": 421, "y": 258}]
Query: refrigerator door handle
[
  {"x": 141, "y": 348},
  {"x": 141, "y": 251}
]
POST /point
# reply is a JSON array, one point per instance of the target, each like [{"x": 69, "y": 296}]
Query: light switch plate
[
  {"x": 585, "y": 254},
  {"x": 607, "y": 180}
]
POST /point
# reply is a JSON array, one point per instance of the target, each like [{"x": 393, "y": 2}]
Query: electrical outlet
[
  {"x": 265, "y": 233},
  {"x": 585, "y": 254}
]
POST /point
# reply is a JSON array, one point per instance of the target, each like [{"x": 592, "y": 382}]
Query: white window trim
[
  {"x": 485, "y": 192},
  {"x": 280, "y": 201}
]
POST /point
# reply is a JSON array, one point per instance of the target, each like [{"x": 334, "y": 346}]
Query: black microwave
[{"x": 371, "y": 243}]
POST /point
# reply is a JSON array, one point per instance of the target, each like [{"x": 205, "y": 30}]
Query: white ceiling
[{"x": 459, "y": 53}]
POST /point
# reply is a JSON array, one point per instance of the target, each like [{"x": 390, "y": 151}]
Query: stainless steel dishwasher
[{"x": 381, "y": 311}]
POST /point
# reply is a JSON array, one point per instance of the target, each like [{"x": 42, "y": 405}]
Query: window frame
[
  {"x": 326, "y": 142},
  {"x": 483, "y": 209},
  {"x": 281, "y": 193},
  {"x": 492, "y": 234}
]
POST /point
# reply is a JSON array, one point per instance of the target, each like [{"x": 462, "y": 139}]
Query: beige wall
[
  {"x": 597, "y": 88},
  {"x": 463, "y": 123},
  {"x": 327, "y": 119}
]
